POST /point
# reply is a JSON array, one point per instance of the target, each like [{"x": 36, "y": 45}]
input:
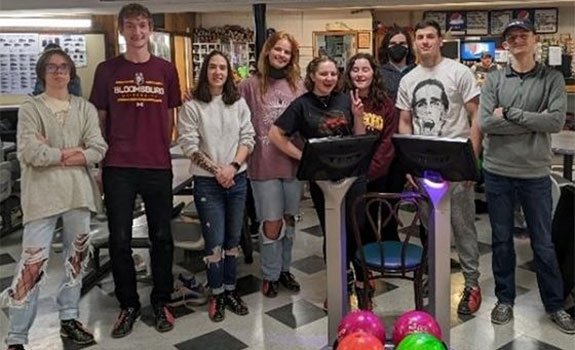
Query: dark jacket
[{"x": 391, "y": 78}]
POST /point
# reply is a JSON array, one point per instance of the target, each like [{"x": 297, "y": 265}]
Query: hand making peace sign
[{"x": 356, "y": 104}]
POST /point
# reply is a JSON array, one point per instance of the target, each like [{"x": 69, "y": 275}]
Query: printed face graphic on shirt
[
  {"x": 138, "y": 90},
  {"x": 430, "y": 105}
]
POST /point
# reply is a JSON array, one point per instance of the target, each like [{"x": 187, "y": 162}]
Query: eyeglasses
[{"x": 54, "y": 68}]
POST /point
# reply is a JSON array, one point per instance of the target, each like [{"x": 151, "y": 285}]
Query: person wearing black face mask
[{"x": 396, "y": 57}]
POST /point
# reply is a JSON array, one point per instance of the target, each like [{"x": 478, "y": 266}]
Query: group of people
[{"x": 255, "y": 131}]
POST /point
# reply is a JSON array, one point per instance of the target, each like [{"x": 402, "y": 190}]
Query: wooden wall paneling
[{"x": 108, "y": 25}]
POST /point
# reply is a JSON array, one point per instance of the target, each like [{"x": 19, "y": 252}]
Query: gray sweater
[
  {"x": 521, "y": 145},
  {"x": 215, "y": 129},
  {"x": 47, "y": 187}
]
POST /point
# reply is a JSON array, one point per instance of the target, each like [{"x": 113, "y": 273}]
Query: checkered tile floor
[{"x": 289, "y": 321}]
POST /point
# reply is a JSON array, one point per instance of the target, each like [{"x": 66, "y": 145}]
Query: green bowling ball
[{"x": 420, "y": 341}]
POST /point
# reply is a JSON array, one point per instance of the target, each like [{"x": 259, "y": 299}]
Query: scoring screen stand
[
  {"x": 334, "y": 163},
  {"x": 437, "y": 162}
]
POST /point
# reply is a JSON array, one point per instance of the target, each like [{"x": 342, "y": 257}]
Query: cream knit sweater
[{"x": 47, "y": 187}]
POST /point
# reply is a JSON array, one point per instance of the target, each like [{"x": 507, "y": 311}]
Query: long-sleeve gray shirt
[{"x": 520, "y": 146}]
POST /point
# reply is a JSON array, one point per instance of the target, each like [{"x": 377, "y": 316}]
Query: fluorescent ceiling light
[{"x": 45, "y": 23}]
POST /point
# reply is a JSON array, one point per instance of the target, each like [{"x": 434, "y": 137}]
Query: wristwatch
[{"x": 236, "y": 165}]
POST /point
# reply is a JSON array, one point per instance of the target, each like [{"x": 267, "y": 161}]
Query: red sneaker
[
  {"x": 217, "y": 307},
  {"x": 470, "y": 301}
]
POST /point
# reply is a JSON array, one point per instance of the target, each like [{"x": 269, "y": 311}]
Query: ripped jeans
[
  {"x": 276, "y": 200},
  {"x": 221, "y": 213},
  {"x": 22, "y": 295}
]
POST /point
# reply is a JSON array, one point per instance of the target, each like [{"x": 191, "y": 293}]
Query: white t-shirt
[{"x": 436, "y": 98}]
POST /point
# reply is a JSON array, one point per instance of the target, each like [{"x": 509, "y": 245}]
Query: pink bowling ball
[
  {"x": 361, "y": 320},
  {"x": 415, "y": 322}
]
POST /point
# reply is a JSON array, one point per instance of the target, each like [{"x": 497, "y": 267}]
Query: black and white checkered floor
[{"x": 290, "y": 321}]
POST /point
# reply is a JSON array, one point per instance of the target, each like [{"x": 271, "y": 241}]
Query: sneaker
[
  {"x": 217, "y": 307},
  {"x": 16, "y": 347},
  {"x": 235, "y": 303},
  {"x": 125, "y": 322},
  {"x": 163, "y": 319},
  {"x": 470, "y": 301},
  {"x": 564, "y": 321},
  {"x": 270, "y": 288},
  {"x": 287, "y": 280},
  {"x": 188, "y": 291},
  {"x": 76, "y": 332},
  {"x": 501, "y": 313}
]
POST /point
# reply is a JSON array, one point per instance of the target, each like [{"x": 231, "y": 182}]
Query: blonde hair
[{"x": 292, "y": 69}]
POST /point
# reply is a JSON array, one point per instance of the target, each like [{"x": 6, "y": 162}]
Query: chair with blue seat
[{"x": 380, "y": 258}]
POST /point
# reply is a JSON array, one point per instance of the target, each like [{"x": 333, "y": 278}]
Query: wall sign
[
  {"x": 545, "y": 21},
  {"x": 477, "y": 22},
  {"x": 493, "y": 22}
]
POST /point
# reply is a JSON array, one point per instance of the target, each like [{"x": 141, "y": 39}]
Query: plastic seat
[{"x": 380, "y": 258}]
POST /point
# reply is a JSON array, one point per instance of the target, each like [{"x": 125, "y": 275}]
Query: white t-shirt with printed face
[{"x": 436, "y": 98}]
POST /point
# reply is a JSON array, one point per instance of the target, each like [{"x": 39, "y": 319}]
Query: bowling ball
[
  {"x": 415, "y": 322},
  {"x": 361, "y": 320},
  {"x": 360, "y": 341},
  {"x": 420, "y": 341}
]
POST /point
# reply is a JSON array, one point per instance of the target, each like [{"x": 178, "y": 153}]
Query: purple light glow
[
  {"x": 433, "y": 184},
  {"x": 436, "y": 190}
]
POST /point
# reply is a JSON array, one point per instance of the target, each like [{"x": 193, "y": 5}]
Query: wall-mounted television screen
[
  {"x": 471, "y": 50},
  {"x": 450, "y": 49}
]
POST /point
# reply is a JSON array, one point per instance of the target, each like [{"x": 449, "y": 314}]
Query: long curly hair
[
  {"x": 377, "y": 95},
  {"x": 383, "y": 53},
  {"x": 292, "y": 69},
  {"x": 201, "y": 92}
]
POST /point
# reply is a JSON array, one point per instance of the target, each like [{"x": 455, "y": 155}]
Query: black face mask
[{"x": 397, "y": 53}]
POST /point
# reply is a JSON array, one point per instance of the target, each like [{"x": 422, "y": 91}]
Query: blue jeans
[
  {"x": 275, "y": 199},
  {"x": 534, "y": 196},
  {"x": 221, "y": 213},
  {"x": 36, "y": 241}
]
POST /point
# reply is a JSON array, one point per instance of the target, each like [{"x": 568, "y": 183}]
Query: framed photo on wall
[
  {"x": 439, "y": 17},
  {"x": 339, "y": 45},
  {"x": 364, "y": 40},
  {"x": 524, "y": 15},
  {"x": 545, "y": 20},
  {"x": 477, "y": 23},
  {"x": 499, "y": 20},
  {"x": 456, "y": 22}
]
